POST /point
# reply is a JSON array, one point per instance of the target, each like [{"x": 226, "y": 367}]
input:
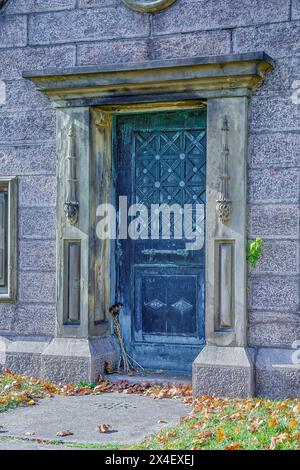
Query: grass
[
  {"x": 20, "y": 391},
  {"x": 255, "y": 424},
  {"x": 214, "y": 424}
]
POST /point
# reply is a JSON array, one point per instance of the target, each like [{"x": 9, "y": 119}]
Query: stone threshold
[{"x": 153, "y": 377}]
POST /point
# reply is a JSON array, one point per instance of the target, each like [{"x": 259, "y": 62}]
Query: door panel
[{"x": 161, "y": 159}]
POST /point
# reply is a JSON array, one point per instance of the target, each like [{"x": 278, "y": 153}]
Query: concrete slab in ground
[{"x": 132, "y": 418}]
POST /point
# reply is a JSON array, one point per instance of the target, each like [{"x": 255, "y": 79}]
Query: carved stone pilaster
[
  {"x": 224, "y": 204},
  {"x": 71, "y": 206}
]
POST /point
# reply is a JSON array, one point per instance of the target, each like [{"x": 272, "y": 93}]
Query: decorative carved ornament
[
  {"x": 148, "y": 6},
  {"x": 224, "y": 204},
  {"x": 71, "y": 206},
  {"x": 104, "y": 120}
]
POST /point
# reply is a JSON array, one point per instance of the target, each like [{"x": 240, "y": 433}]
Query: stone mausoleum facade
[{"x": 194, "y": 99}]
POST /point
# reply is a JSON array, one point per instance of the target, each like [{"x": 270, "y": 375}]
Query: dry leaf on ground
[
  {"x": 64, "y": 433},
  {"x": 233, "y": 446},
  {"x": 103, "y": 428}
]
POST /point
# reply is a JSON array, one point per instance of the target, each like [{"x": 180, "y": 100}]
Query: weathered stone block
[
  {"x": 25, "y": 364},
  {"x": 200, "y": 15},
  {"x": 31, "y": 6},
  {"x": 280, "y": 149},
  {"x": 274, "y": 185},
  {"x": 28, "y": 159},
  {"x": 87, "y": 25},
  {"x": 98, "y": 3},
  {"x": 37, "y": 255},
  {"x": 279, "y": 257},
  {"x": 189, "y": 45},
  {"x": 37, "y": 191},
  {"x": 23, "y": 94},
  {"x": 14, "y": 61},
  {"x": 13, "y": 31},
  {"x": 273, "y": 114},
  {"x": 69, "y": 360},
  {"x": 277, "y": 40},
  {"x": 223, "y": 371},
  {"x": 37, "y": 287},
  {"x": 279, "y": 81},
  {"x": 35, "y": 320},
  {"x": 273, "y": 221},
  {"x": 276, "y": 375},
  {"x": 37, "y": 223},
  {"x": 7, "y": 316},
  {"x": 23, "y": 355},
  {"x": 120, "y": 51},
  {"x": 273, "y": 329},
  {"x": 205, "y": 43},
  {"x": 30, "y": 126},
  {"x": 295, "y": 10},
  {"x": 279, "y": 293}
]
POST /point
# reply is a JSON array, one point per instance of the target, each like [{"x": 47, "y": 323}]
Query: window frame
[{"x": 9, "y": 185}]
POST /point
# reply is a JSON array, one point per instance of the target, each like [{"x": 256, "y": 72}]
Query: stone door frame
[{"x": 86, "y": 98}]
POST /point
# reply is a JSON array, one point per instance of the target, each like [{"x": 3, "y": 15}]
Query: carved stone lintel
[
  {"x": 71, "y": 206},
  {"x": 148, "y": 6},
  {"x": 224, "y": 204}
]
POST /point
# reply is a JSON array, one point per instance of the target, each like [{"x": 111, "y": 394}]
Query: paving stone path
[{"x": 131, "y": 417}]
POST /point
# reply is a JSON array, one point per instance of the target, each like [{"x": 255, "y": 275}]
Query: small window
[{"x": 8, "y": 238}]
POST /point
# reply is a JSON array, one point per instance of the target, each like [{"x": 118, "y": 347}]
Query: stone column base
[
  {"x": 224, "y": 372},
  {"x": 22, "y": 355},
  {"x": 65, "y": 360},
  {"x": 69, "y": 360},
  {"x": 278, "y": 373}
]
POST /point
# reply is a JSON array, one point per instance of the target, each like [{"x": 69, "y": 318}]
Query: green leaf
[{"x": 254, "y": 251}]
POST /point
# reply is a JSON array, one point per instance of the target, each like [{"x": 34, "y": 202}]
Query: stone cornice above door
[
  {"x": 148, "y": 6},
  {"x": 154, "y": 81}
]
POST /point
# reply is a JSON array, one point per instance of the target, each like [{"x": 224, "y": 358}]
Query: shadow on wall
[{"x": 3, "y": 2}]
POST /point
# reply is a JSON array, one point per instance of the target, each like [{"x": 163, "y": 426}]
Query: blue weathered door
[{"x": 161, "y": 158}]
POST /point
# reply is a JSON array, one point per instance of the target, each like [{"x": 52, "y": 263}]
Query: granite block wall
[{"x": 36, "y": 34}]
